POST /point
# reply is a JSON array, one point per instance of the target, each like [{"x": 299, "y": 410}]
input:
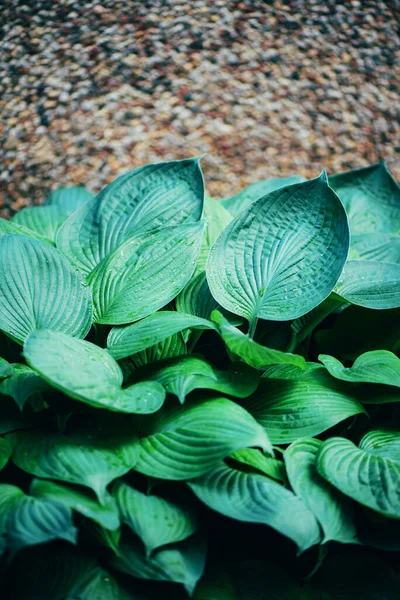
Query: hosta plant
[{"x": 200, "y": 397}]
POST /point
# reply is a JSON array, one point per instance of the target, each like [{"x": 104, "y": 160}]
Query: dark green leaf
[{"x": 378, "y": 366}]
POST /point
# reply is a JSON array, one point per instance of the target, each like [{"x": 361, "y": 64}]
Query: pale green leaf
[
  {"x": 78, "y": 499},
  {"x": 290, "y": 409},
  {"x": 378, "y": 366},
  {"x": 68, "y": 199},
  {"x": 254, "y": 498},
  {"x": 144, "y": 273},
  {"x": 9, "y": 494},
  {"x": 97, "y": 381},
  {"x": 181, "y": 563},
  {"x": 364, "y": 474},
  {"x": 156, "y": 521},
  {"x": 5, "y": 452},
  {"x": 124, "y": 341},
  {"x": 40, "y": 290},
  {"x": 251, "y": 352},
  {"x": 332, "y": 510},
  {"x": 370, "y": 284},
  {"x": 283, "y": 255},
  {"x": 182, "y": 375},
  {"x": 92, "y": 457},
  {"x": 186, "y": 441},
  {"x": 251, "y": 193},
  {"x": 382, "y": 442},
  {"x": 7, "y": 227},
  {"x": 22, "y": 384},
  {"x": 150, "y": 197},
  {"x": 217, "y": 218},
  {"x": 45, "y": 220},
  {"x": 256, "y": 459},
  {"x": 33, "y": 521}
]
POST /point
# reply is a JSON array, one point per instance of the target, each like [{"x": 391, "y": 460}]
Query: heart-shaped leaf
[
  {"x": 144, "y": 273},
  {"x": 368, "y": 474},
  {"x": 124, "y": 341},
  {"x": 332, "y": 510},
  {"x": 251, "y": 352},
  {"x": 254, "y": 498},
  {"x": 45, "y": 220},
  {"x": 290, "y": 409},
  {"x": 40, "y": 290},
  {"x": 97, "y": 381},
  {"x": 156, "y": 521},
  {"x": 68, "y": 199},
  {"x": 283, "y": 255},
  {"x": 370, "y": 284},
  {"x": 150, "y": 197},
  {"x": 78, "y": 499},
  {"x": 92, "y": 457},
  {"x": 378, "y": 366},
  {"x": 185, "y": 442}
]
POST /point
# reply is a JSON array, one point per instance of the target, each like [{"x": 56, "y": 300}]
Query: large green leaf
[
  {"x": 332, "y": 510},
  {"x": 22, "y": 384},
  {"x": 168, "y": 193},
  {"x": 5, "y": 452},
  {"x": 156, "y": 521},
  {"x": 144, "y": 273},
  {"x": 78, "y": 499},
  {"x": 92, "y": 456},
  {"x": 33, "y": 521},
  {"x": 382, "y": 442},
  {"x": 217, "y": 218},
  {"x": 367, "y": 474},
  {"x": 371, "y": 197},
  {"x": 370, "y": 284},
  {"x": 281, "y": 256},
  {"x": 7, "y": 227},
  {"x": 186, "y": 441},
  {"x": 251, "y": 352},
  {"x": 251, "y": 193},
  {"x": 181, "y": 563},
  {"x": 9, "y": 494},
  {"x": 254, "y": 498},
  {"x": 378, "y": 366},
  {"x": 39, "y": 289},
  {"x": 196, "y": 298},
  {"x": 290, "y": 409},
  {"x": 45, "y": 220},
  {"x": 124, "y": 341},
  {"x": 182, "y": 375},
  {"x": 68, "y": 199},
  {"x": 98, "y": 379}
]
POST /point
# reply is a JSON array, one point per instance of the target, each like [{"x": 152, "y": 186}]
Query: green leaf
[
  {"x": 217, "y": 218},
  {"x": 168, "y": 348},
  {"x": 5, "y": 452},
  {"x": 283, "y": 255},
  {"x": 97, "y": 381},
  {"x": 382, "y": 442},
  {"x": 40, "y": 290},
  {"x": 290, "y": 409},
  {"x": 80, "y": 500},
  {"x": 305, "y": 325},
  {"x": 68, "y": 199},
  {"x": 182, "y": 375},
  {"x": 251, "y": 193},
  {"x": 254, "y": 498},
  {"x": 144, "y": 273},
  {"x": 371, "y": 198},
  {"x": 370, "y": 284},
  {"x": 196, "y": 298},
  {"x": 45, "y": 220},
  {"x": 7, "y": 227},
  {"x": 251, "y": 352},
  {"x": 23, "y": 384},
  {"x": 9, "y": 494},
  {"x": 256, "y": 459},
  {"x": 33, "y": 521},
  {"x": 364, "y": 474},
  {"x": 332, "y": 510},
  {"x": 378, "y": 366},
  {"x": 5, "y": 368},
  {"x": 156, "y": 521},
  {"x": 186, "y": 441},
  {"x": 182, "y": 563},
  {"x": 124, "y": 341},
  {"x": 92, "y": 457},
  {"x": 169, "y": 193}
]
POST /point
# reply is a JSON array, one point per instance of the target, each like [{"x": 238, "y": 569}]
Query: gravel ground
[{"x": 89, "y": 90}]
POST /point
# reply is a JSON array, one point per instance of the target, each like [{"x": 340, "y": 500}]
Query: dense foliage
[{"x": 200, "y": 397}]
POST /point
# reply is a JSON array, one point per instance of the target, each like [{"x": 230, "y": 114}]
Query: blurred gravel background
[{"x": 89, "y": 90}]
